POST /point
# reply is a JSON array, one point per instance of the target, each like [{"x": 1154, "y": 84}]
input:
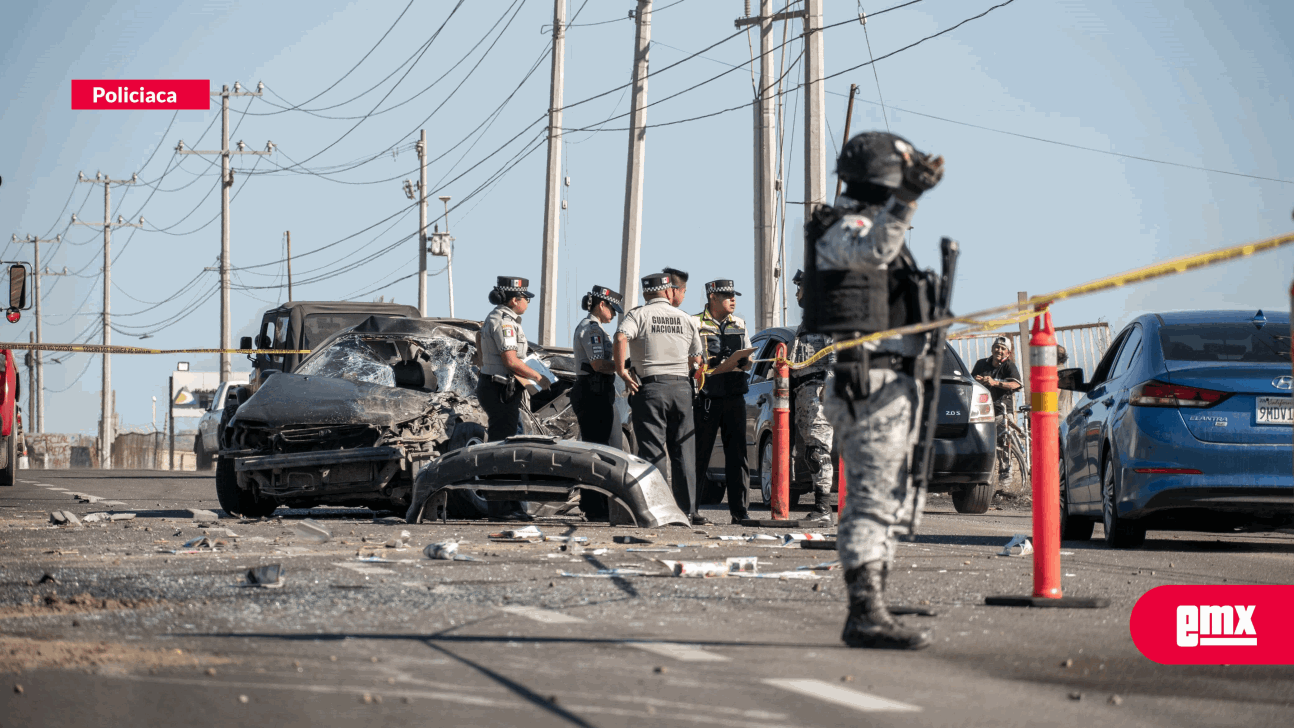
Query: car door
[
  {"x": 207, "y": 425},
  {"x": 759, "y": 398},
  {"x": 1089, "y": 427}
]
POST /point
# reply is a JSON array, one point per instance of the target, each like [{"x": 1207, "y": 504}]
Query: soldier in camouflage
[
  {"x": 810, "y": 416},
  {"x": 862, "y": 279}
]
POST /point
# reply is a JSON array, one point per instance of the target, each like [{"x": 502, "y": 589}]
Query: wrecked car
[
  {"x": 358, "y": 417},
  {"x": 539, "y": 468}
]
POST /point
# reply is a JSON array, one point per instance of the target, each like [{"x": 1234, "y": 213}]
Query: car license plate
[{"x": 1274, "y": 411}]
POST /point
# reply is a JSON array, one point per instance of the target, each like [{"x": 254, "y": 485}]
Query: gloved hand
[{"x": 922, "y": 172}]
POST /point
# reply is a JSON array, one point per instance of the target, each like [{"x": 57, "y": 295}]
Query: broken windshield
[{"x": 372, "y": 360}]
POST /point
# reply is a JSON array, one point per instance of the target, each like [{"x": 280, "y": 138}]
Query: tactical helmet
[{"x": 874, "y": 157}]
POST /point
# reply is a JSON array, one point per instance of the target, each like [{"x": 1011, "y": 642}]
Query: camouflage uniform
[
  {"x": 876, "y": 434},
  {"x": 810, "y": 417}
]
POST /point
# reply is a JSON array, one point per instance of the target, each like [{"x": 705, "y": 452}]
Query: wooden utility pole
[
  {"x": 1022, "y": 353},
  {"x": 226, "y": 182},
  {"x": 289, "y": 234},
  {"x": 815, "y": 101},
  {"x": 632, "y": 239},
  {"x": 37, "y": 397},
  {"x": 849, "y": 117},
  {"x": 105, "y": 404},
  {"x": 422, "y": 224},
  {"x": 552, "y": 185}
]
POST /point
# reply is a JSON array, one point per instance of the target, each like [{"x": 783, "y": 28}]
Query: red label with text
[
  {"x": 161, "y": 94},
  {"x": 1215, "y": 625}
]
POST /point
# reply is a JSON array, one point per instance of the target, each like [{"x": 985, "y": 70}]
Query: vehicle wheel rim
[
  {"x": 766, "y": 473},
  {"x": 1107, "y": 500}
]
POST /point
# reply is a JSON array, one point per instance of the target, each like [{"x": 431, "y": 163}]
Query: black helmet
[{"x": 874, "y": 157}]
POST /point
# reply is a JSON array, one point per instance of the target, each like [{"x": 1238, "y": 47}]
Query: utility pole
[
  {"x": 552, "y": 186},
  {"x": 419, "y": 193},
  {"x": 289, "y": 234},
  {"x": 815, "y": 101},
  {"x": 632, "y": 240},
  {"x": 105, "y": 405},
  {"x": 766, "y": 161},
  {"x": 38, "y": 385},
  {"x": 226, "y": 182},
  {"x": 443, "y": 244}
]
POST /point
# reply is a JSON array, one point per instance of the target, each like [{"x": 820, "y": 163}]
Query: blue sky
[{"x": 1196, "y": 83}]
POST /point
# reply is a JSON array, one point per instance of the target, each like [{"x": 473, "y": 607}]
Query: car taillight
[
  {"x": 981, "y": 404},
  {"x": 1160, "y": 394}
]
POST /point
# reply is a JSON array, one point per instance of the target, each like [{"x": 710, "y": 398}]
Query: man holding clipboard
[{"x": 721, "y": 401}]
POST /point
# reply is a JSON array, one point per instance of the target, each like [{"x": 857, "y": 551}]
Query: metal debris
[
  {"x": 1022, "y": 544},
  {"x": 270, "y": 576}
]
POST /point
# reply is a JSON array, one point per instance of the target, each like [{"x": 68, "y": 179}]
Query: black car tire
[
  {"x": 973, "y": 498},
  {"x": 234, "y": 500},
  {"x": 205, "y": 459},
  {"x": 1120, "y": 533},
  {"x": 764, "y": 475},
  {"x": 9, "y": 455},
  {"x": 1072, "y": 528},
  {"x": 466, "y": 504}
]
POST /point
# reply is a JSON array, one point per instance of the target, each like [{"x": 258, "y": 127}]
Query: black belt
[
  {"x": 893, "y": 362},
  {"x": 665, "y": 378}
]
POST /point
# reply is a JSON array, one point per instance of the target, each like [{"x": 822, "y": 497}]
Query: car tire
[
  {"x": 205, "y": 459},
  {"x": 466, "y": 504},
  {"x": 1120, "y": 533},
  {"x": 1072, "y": 528},
  {"x": 234, "y": 500},
  {"x": 9, "y": 455},
  {"x": 973, "y": 498},
  {"x": 765, "y": 473}
]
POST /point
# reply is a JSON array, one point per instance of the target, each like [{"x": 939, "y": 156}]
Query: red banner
[
  {"x": 1215, "y": 625},
  {"x": 158, "y": 94}
]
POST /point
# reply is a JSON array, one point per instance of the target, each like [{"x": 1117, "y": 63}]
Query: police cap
[
  {"x": 655, "y": 282},
  {"x": 798, "y": 278},
  {"x": 721, "y": 286},
  {"x": 512, "y": 287},
  {"x": 613, "y": 299}
]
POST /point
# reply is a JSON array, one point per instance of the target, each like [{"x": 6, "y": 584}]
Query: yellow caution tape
[
  {"x": 101, "y": 349},
  {"x": 1031, "y": 307}
]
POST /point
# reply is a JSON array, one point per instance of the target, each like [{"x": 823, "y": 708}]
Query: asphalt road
[{"x": 177, "y": 639}]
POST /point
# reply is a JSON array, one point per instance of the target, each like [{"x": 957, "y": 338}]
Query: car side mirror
[
  {"x": 1072, "y": 380},
  {"x": 245, "y": 343},
  {"x": 17, "y": 287}
]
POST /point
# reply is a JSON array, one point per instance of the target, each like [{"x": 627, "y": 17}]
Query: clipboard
[{"x": 731, "y": 362}]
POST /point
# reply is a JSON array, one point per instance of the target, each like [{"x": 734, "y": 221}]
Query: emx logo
[{"x": 1212, "y": 625}]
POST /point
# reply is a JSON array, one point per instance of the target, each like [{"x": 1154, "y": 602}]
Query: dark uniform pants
[
  {"x": 728, "y": 414},
  {"x": 504, "y": 415},
  {"x": 595, "y": 411},
  {"x": 662, "y": 415},
  {"x": 503, "y": 412}
]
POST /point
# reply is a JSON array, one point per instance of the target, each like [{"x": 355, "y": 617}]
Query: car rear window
[
  {"x": 320, "y": 326},
  {"x": 953, "y": 366},
  {"x": 1239, "y": 342}
]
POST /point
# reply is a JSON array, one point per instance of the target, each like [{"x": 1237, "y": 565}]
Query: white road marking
[
  {"x": 363, "y": 568},
  {"x": 830, "y": 693},
  {"x": 682, "y": 653},
  {"x": 541, "y": 615},
  {"x": 64, "y": 490}
]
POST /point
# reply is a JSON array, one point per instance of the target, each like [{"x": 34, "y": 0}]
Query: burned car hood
[{"x": 294, "y": 399}]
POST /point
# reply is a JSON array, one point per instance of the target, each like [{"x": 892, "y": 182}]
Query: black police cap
[
  {"x": 721, "y": 286},
  {"x": 613, "y": 299},
  {"x": 513, "y": 286},
  {"x": 655, "y": 282}
]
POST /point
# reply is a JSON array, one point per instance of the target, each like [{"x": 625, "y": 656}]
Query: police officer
[
  {"x": 810, "y": 416},
  {"x": 860, "y": 278},
  {"x": 594, "y": 395},
  {"x": 721, "y": 402},
  {"x": 665, "y": 347},
  {"x": 503, "y": 350}
]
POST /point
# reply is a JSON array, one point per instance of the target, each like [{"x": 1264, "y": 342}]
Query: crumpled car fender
[{"x": 528, "y": 467}]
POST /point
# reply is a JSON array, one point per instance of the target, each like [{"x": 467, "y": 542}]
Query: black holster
[
  {"x": 852, "y": 370},
  {"x": 509, "y": 386},
  {"x": 598, "y": 382}
]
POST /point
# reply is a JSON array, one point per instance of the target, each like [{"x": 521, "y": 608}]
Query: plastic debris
[
  {"x": 200, "y": 542},
  {"x": 400, "y": 543},
  {"x": 1019, "y": 545},
  {"x": 445, "y": 551},
  {"x": 311, "y": 530},
  {"x": 824, "y": 566},
  {"x": 576, "y": 539},
  {"x": 778, "y": 575},
  {"x": 60, "y": 518},
  {"x": 653, "y": 551},
  {"x": 527, "y": 534},
  {"x": 607, "y": 574},
  {"x": 790, "y": 539},
  {"x": 732, "y": 565},
  {"x": 270, "y": 576}
]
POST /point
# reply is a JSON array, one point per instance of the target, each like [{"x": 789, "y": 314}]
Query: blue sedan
[{"x": 1185, "y": 425}]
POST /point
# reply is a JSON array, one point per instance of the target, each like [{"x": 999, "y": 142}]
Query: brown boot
[{"x": 869, "y": 623}]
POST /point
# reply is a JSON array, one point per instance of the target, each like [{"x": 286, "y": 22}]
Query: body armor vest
[{"x": 846, "y": 301}]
